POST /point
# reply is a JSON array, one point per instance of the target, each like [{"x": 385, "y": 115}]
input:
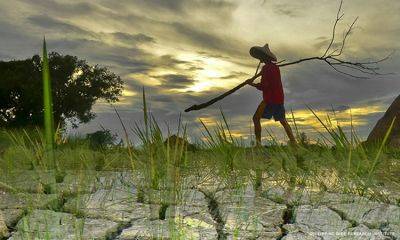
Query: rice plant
[{"x": 48, "y": 105}]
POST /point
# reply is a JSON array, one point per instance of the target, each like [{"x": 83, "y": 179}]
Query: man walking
[{"x": 272, "y": 104}]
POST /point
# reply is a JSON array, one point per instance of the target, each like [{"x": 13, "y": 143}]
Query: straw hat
[{"x": 262, "y": 53}]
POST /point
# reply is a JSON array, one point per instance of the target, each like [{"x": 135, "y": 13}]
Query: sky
[{"x": 184, "y": 52}]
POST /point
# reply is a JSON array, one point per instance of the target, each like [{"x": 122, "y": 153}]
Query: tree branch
[{"x": 338, "y": 18}]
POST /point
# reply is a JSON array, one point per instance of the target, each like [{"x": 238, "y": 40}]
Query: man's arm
[
  {"x": 261, "y": 85},
  {"x": 251, "y": 80},
  {"x": 256, "y": 85}
]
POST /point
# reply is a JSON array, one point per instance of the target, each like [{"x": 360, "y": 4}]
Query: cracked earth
[{"x": 110, "y": 206}]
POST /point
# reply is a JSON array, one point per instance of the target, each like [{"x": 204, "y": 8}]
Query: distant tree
[
  {"x": 76, "y": 88},
  {"x": 101, "y": 139}
]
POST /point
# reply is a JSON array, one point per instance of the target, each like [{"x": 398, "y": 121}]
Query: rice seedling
[{"x": 48, "y": 104}]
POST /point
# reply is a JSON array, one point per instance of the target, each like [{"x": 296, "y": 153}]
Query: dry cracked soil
[{"x": 36, "y": 205}]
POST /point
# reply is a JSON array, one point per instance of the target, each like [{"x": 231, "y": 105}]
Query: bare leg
[
  {"x": 257, "y": 124},
  {"x": 289, "y": 132}
]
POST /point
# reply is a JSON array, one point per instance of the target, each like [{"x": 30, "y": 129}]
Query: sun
[{"x": 209, "y": 74}]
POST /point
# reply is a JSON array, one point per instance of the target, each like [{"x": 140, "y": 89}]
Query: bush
[{"x": 101, "y": 139}]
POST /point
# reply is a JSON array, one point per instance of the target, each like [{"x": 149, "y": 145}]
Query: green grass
[
  {"x": 165, "y": 170},
  {"x": 48, "y": 105},
  {"x": 225, "y": 156}
]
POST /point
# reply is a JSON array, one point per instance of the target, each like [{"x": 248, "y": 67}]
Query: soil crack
[
  {"x": 343, "y": 216},
  {"x": 288, "y": 218},
  {"x": 214, "y": 210}
]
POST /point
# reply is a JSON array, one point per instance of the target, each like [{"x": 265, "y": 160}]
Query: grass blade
[{"x": 48, "y": 105}]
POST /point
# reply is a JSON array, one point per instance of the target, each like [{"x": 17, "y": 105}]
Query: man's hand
[{"x": 250, "y": 81}]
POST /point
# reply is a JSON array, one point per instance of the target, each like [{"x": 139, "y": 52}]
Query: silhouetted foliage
[
  {"x": 76, "y": 87},
  {"x": 101, "y": 139}
]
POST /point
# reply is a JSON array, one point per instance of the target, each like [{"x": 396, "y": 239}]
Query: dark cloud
[
  {"x": 205, "y": 40},
  {"x": 68, "y": 8},
  {"x": 117, "y": 14},
  {"x": 163, "y": 98},
  {"x": 16, "y": 43},
  {"x": 50, "y": 23},
  {"x": 134, "y": 64},
  {"x": 133, "y": 38},
  {"x": 194, "y": 68},
  {"x": 123, "y": 60},
  {"x": 181, "y": 7},
  {"x": 319, "y": 85},
  {"x": 339, "y": 108},
  {"x": 173, "y": 5},
  {"x": 287, "y": 10},
  {"x": 176, "y": 81},
  {"x": 170, "y": 61}
]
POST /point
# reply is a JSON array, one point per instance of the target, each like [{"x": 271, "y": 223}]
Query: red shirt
[{"x": 271, "y": 84}]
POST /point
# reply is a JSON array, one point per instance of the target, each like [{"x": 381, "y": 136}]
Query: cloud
[
  {"x": 64, "y": 8},
  {"x": 185, "y": 8},
  {"x": 287, "y": 10},
  {"x": 339, "y": 108},
  {"x": 170, "y": 61},
  {"x": 204, "y": 40},
  {"x": 176, "y": 81},
  {"x": 50, "y": 23},
  {"x": 321, "y": 86},
  {"x": 133, "y": 38},
  {"x": 133, "y": 64},
  {"x": 173, "y": 5},
  {"x": 23, "y": 44}
]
